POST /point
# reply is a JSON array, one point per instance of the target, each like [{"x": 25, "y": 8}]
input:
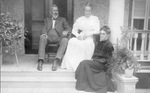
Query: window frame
[{"x": 146, "y": 17}]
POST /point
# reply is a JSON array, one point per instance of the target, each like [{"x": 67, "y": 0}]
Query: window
[
  {"x": 138, "y": 24},
  {"x": 149, "y": 18},
  {"x": 141, "y": 15},
  {"x": 139, "y": 8},
  {"x": 148, "y": 29}
]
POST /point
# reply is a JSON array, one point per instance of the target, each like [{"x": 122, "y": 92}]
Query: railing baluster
[
  {"x": 130, "y": 42},
  {"x": 142, "y": 47},
  {"x": 135, "y": 44},
  {"x": 144, "y": 44},
  {"x": 149, "y": 47}
]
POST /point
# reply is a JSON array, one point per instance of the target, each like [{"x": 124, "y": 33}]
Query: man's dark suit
[{"x": 54, "y": 35}]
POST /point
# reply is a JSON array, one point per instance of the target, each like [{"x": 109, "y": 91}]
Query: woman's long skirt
[
  {"x": 91, "y": 77},
  {"x": 77, "y": 51}
]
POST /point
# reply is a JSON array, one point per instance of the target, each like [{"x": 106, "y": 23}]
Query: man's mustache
[{"x": 55, "y": 13}]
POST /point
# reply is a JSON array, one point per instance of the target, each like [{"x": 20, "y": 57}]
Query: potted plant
[
  {"x": 11, "y": 34},
  {"x": 123, "y": 61}
]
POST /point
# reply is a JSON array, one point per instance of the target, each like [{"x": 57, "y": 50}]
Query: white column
[
  {"x": 116, "y": 18},
  {"x": 142, "y": 47}
]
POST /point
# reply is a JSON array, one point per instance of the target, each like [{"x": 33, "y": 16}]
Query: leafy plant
[
  {"x": 126, "y": 35},
  {"x": 123, "y": 57},
  {"x": 11, "y": 33}
]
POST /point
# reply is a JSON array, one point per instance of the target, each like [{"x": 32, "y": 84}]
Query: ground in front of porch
[{"x": 26, "y": 78}]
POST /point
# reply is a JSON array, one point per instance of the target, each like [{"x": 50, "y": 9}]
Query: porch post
[
  {"x": 116, "y": 18},
  {"x": 126, "y": 85}
]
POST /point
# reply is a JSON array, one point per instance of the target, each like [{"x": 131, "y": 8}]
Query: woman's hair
[
  {"x": 88, "y": 5},
  {"x": 106, "y": 29}
]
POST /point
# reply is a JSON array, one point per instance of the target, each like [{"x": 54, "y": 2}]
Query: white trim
[
  {"x": 147, "y": 16},
  {"x": 143, "y": 71},
  {"x": 143, "y": 61},
  {"x": 148, "y": 11},
  {"x": 132, "y": 15},
  {"x": 139, "y": 17}
]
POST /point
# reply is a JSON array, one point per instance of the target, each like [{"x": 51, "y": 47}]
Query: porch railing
[{"x": 139, "y": 43}]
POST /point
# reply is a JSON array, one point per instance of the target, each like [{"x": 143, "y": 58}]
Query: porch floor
[{"x": 28, "y": 63}]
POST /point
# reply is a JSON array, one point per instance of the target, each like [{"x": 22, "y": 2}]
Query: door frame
[{"x": 28, "y": 19}]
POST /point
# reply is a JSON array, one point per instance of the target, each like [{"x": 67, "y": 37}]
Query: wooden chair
[
  {"x": 51, "y": 48},
  {"x": 96, "y": 38}
]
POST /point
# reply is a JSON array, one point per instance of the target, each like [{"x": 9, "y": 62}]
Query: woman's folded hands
[{"x": 82, "y": 36}]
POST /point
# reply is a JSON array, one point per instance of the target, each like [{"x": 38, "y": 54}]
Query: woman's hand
[
  {"x": 80, "y": 38},
  {"x": 85, "y": 36},
  {"x": 90, "y": 33}
]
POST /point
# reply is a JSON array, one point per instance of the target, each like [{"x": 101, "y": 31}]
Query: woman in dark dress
[{"x": 91, "y": 74}]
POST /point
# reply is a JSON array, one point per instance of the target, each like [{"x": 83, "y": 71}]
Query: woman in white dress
[{"x": 81, "y": 47}]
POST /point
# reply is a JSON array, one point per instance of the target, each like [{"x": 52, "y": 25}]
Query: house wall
[
  {"x": 100, "y": 9},
  {"x": 16, "y": 9}
]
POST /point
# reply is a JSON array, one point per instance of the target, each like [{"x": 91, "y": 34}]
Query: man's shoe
[
  {"x": 54, "y": 65},
  {"x": 40, "y": 64}
]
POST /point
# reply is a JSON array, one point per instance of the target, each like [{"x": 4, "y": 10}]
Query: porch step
[
  {"x": 60, "y": 81},
  {"x": 37, "y": 79},
  {"x": 143, "y": 75},
  {"x": 38, "y": 82},
  {"x": 26, "y": 78},
  {"x": 43, "y": 90},
  {"x": 144, "y": 80},
  {"x": 59, "y": 73},
  {"x": 144, "y": 62},
  {"x": 145, "y": 66}
]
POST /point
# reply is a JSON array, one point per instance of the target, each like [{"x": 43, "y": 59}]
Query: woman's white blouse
[{"x": 89, "y": 25}]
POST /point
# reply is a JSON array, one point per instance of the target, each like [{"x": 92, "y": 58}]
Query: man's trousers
[{"x": 63, "y": 42}]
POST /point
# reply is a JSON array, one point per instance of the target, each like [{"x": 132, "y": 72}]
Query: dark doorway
[
  {"x": 35, "y": 13},
  {"x": 62, "y": 5},
  {"x": 65, "y": 9}
]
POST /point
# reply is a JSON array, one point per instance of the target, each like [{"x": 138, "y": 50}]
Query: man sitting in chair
[{"x": 55, "y": 31}]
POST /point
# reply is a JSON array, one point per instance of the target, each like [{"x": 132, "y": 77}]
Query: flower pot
[{"x": 129, "y": 73}]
